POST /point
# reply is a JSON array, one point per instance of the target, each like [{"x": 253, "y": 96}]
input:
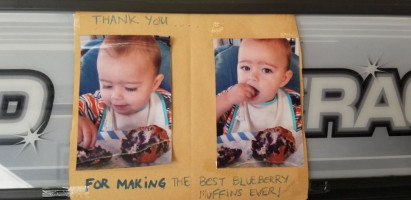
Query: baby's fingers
[
  {"x": 93, "y": 137},
  {"x": 79, "y": 135},
  {"x": 249, "y": 92},
  {"x": 89, "y": 136},
  {"x": 86, "y": 139}
]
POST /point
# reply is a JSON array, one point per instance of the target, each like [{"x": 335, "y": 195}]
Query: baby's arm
[
  {"x": 87, "y": 132},
  {"x": 237, "y": 94},
  {"x": 90, "y": 110}
]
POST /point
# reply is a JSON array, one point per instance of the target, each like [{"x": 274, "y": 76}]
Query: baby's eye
[
  {"x": 107, "y": 86},
  {"x": 245, "y": 68},
  {"x": 267, "y": 70},
  {"x": 131, "y": 89}
]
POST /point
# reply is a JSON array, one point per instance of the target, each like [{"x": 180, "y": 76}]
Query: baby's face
[
  {"x": 126, "y": 81},
  {"x": 264, "y": 67}
]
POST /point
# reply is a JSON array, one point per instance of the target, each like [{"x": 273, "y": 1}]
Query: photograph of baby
[
  {"x": 125, "y": 102},
  {"x": 258, "y": 103}
]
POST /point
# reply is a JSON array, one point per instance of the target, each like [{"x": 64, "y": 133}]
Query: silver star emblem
[
  {"x": 371, "y": 68},
  {"x": 30, "y": 139}
]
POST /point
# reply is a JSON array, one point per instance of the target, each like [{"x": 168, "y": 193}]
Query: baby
[
  {"x": 259, "y": 100},
  {"x": 129, "y": 96}
]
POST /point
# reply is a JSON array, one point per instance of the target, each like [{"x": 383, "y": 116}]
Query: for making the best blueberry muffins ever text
[{"x": 211, "y": 187}]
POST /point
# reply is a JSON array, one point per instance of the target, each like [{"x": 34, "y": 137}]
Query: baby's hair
[
  {"x": 283, "y": 43},
  {"x": 117, "y": 45}
]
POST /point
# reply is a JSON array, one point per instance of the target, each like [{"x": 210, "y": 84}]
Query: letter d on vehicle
[{"x": 26, "y": 101}]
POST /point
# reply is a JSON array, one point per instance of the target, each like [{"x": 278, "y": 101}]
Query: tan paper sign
[{"x": 187, "y": 106}]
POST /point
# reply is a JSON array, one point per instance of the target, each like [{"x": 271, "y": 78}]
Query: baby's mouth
[
  {"x": 120, "y": 107},
  {"x": 255, "y": 91}
]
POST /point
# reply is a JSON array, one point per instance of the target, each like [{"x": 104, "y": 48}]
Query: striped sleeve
[
  {"x": 167, "y": 100},
  {"x": 224, "y": 122},
  {"x": 296, "y": 101},
  {"x": 91, "y": 107}
]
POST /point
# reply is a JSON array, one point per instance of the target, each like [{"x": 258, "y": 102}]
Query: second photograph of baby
[
  {"x": 258, "y": 113},
  {"x": 125, "y": 102}
]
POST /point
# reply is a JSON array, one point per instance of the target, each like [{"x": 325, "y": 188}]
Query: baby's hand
[
  {"x": 240, "y": 93},
  {"x": 87, "y": 133}
]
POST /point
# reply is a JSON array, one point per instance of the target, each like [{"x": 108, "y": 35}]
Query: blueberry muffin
[
  {"x": 144, "y": 144},
  {"x": 226, "y": 156},
  {"x": 91, "y": 157},
  {"x": 273, "y": 145}
]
